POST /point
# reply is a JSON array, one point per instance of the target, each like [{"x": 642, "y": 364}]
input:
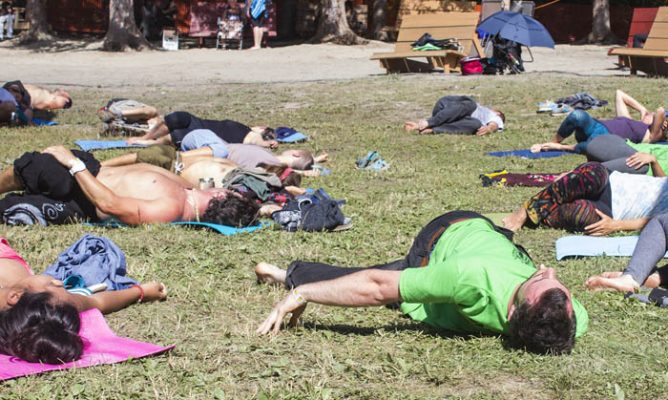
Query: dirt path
[{"x": 84, "y": 65}]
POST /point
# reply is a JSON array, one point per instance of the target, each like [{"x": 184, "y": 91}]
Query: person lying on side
[{"x": 594, "y": 200}]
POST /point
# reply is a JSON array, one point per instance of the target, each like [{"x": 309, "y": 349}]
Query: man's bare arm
[
  {"x": 371, "y": 287},
  {"x": 126, "y": 209}
]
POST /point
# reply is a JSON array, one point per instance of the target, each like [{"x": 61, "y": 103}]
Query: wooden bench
[
  {"x": 460, "y": 25},
  {"x": 650, "y": 59}
]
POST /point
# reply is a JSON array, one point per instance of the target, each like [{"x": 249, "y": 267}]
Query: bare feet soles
[
  {"x": 617, "y": 281},
  {"x": 269, "y": 274},
  {"x": 410, "y": 126},
  {"x": 612, "y": 281},
  {"x": 516, "y": 220}
]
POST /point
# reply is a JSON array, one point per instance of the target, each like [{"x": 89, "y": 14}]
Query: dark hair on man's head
[
  {"x": 68, "y": 104},
  {"x": 268, "y": 134},
  {"x": 36, "y": 330},
  {"x": 231, "y": 211},
  {"x": 545, "y": 327},
  {"x": 502, "y": 115}
]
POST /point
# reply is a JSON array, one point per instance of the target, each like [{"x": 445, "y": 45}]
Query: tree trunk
[
  {"x": 39, "y": 27},
  {"x": 378, "y": 18},
  {"x": 123, "y": 32},
  {"x": 601, "y": 32},
  {"x": 333, "y": 25}
]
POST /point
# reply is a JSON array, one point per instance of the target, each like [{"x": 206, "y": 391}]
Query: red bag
[{"x": 471, "y": 66}]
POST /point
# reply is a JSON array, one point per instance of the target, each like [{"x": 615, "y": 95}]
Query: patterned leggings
[{"x": 570, "y": 202}]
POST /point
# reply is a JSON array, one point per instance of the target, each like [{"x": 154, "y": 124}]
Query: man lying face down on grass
[
  {"x": 62, "y": 186},
  {"x": 462, "y": 274}
]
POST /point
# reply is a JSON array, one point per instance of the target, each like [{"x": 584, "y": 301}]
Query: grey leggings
[
  {"x": 650, "y": 250},
  {"x": 452, "y": 114},
  {"x": 612, "y": 151}
]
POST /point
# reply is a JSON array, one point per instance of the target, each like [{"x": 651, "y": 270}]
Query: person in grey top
[
  {"x": 641, "y": 269},
  {"x": 459, "y": 114}
]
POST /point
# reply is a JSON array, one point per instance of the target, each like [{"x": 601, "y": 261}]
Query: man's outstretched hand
[
  {"x": 62, "y": 154},
  {"x": 294, "y": 303}
]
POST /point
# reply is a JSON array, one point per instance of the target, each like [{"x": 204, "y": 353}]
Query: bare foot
[
  {"x": 410, "y": 126},
  {"x": 269, "y": 274},
  {"x": 653, "y": 281},
  {"x": 621, "y": 283},
  {"x": 516, "y": 220}
]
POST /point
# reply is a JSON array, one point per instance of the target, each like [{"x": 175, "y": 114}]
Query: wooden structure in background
[
  {"x": 459, "y": 25},
  {"x": 650, "y": 59}
]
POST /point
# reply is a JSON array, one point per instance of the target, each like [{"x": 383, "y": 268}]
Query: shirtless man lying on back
[{"x": 47, "y": 100}]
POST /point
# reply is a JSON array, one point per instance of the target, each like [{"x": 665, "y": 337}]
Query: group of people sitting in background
[{"x": 446, "y": 280}]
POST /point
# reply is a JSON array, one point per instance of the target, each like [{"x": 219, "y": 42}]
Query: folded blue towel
[
  {"x": 526, "y": 153},
  {"x": 43, "y": 122},
  {"x": 88, "y": 145},
  {"x": 593, "y": 246},
  {"x": 222, "y": 229}
]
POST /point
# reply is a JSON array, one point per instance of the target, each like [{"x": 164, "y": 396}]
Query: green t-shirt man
[
  {"x": 660, "y": 151},
  {"x": 470, "y": 278}
]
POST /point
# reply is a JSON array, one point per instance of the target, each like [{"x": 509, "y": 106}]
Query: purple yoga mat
[{"x": 102, "y": 347}]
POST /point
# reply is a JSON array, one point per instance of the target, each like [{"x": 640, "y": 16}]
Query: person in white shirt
[{"x": 459, "y": 114}]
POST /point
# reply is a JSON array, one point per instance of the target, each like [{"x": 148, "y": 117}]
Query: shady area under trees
[{"x": 119, "y": 22}]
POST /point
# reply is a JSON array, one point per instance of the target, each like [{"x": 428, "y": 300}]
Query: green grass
[{"x": 215, "y": 305}]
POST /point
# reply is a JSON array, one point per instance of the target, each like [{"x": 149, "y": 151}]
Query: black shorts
[
  {"x": 42, "y": 175},
  {"x": 258, "y": 22}
]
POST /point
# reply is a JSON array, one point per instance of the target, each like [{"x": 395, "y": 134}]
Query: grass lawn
[{"x": 215, "y": 305}]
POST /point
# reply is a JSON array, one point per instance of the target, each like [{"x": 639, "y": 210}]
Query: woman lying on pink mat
[{"x": 39, "y": 319}]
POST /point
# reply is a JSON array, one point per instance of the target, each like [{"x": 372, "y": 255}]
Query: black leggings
[
  {"x": 301, "y": 272},
  {"x": 181, "y": 123}
]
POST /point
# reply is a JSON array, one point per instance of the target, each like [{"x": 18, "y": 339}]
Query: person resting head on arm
[
  {"x": 39, "y": 319},
  {"x": 459, "y": 114}
]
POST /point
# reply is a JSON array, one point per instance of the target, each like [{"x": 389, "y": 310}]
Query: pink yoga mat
[{"x": 102, "y": 347}]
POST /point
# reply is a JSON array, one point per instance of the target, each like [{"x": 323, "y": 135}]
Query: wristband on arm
[
  {"x": 76, "y": 165},
  {"x": 141, "y": 293}
]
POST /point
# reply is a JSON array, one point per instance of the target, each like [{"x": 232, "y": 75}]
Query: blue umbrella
[{"x": 517, "y": 27}]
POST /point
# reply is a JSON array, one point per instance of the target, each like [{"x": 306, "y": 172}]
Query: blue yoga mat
[
  {"x": 526, "y": 153},
  {"x": 88, "y": 145},
  {"x": 222, "y": 229},
  {"x": 43, "y": 122},
  {"x": 593, "y": 246}
]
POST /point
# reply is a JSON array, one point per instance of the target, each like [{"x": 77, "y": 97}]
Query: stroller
[
  {"x": 230, "y": 27},
  {"x": 506, "y": 55}
]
